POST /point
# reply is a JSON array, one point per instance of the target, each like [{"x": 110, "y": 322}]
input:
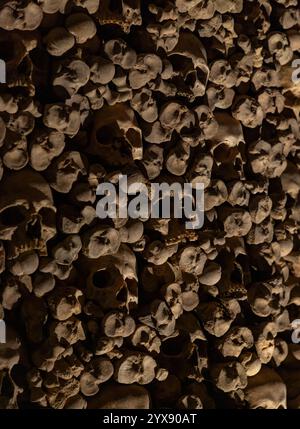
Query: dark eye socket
[
  {"x": 105, "y": 278},
  {"x": 115, "y": 6},
  {"x": 102, "y": 278},
  {"x": 13, "y": 216},
  {"x": 105, "y": 134},
  {"x": 46, "y": 212}
]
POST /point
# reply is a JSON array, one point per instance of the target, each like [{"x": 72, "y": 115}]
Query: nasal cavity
[{"x": 34, "y": 228}]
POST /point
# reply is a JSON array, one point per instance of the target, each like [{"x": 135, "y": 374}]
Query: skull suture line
[{"x": 27, "y": 214}]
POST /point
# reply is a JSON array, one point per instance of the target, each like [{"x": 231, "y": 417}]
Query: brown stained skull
[
  {"x": 164, "y": 34},
  {"x": 226, "y": 141},
  {"x": 64, "y": 171},
  {"x": 14, "y": 152},
  {"x": 200, "y": 171},
  {"x": 267, "y": 298},
  {"x": 219, "y": 96},
  {"x": 189, "y": 59},
  {"x": 136, "y": 368},
  {"x": 112, "y": 280},
  {"x": 266, "y": 390},
  {"x": 279, "y": 46},
  {"x": 234, "y": 341},
  {"x": 218, "y": 317},
  {"x": 145, "y": 105},
  {"x": 71, "y": 75},
  {"x": 177, "y": 159},
  {"x": 267, "y": 159},
  {"x": 146, "y": 338},
  {"x": 105, "y": 287},
  {"x": 15, "y": 15},
  {"x": 147, "y": 68},
  {"x": 59, "y": 41},
  {"x": 229, "y": 376},
  {"x": 153, "y": 160},
  {"x": 44, "y": 146},
  {"x": 63, "y": 118},
  {"x": 120, "y": 53},
  {"x": 27, "y": 213},
  {"x": 81, "y": 26},
  {"x": 100, "y": 241},
  {"x": 115, "y": 129},
  {"x": 13, "y": 52}
]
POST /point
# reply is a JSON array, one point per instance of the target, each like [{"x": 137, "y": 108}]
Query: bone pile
[{"x": 128, "y": 313}]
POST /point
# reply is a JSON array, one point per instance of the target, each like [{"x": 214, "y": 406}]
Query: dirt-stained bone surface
[{"x": 143, "y": 313}]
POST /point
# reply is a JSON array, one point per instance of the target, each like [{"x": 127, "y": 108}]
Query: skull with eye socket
[
  {"x": 116, "y": 137},
  {"x": 112, "y": 281},
  {"x": 27, "y": 214},
  {"x": 189, "y": 60}
]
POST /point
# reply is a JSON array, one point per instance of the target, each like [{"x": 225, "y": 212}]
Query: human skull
[
  {"x": 153, "y": 161},
  {"x": 192, "y": 63},
  {"x": 266, "y": 390},
  {"x": 225, "y": 143},
  {"x": 27, "y": 214},
  {"x": 267, "y": 298},
  {"x": 145, "y": 105},
  {"x": 120, "y": 53},
  {"x": 115, "y": 126},
  {"x": 71, "y": 75},
  {"x": 9, "y": 357},
  {"x": 17, "y": 15},
  {"x": 113, "y": 280},
  {"x": 14, "y": 51},
  {"x": 230, "y": 131}
]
